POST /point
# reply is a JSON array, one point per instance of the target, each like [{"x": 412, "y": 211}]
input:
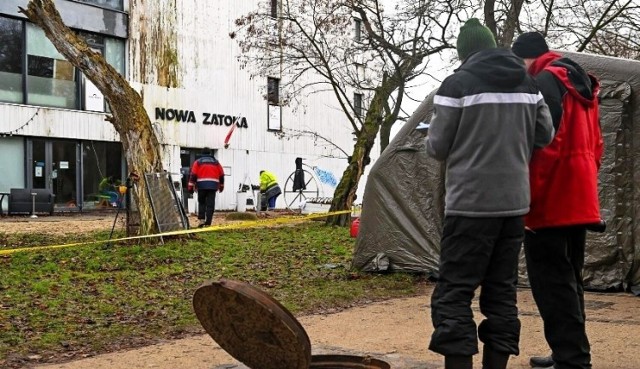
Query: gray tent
[{"x": 403, "y": 202}]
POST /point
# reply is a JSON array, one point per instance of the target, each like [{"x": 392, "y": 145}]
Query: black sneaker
[{"x": 541, "y": 362}]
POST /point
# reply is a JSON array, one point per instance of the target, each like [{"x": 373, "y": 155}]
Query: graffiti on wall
[{"x": 326, "y": 177}]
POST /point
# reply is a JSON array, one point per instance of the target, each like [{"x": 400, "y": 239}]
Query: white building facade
[{"x": 180, "y": 57}]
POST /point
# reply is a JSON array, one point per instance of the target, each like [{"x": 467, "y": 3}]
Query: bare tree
[
  {"x": 502, "y": 19},
  {"x": 318, "y": 140},
  {"x": 347, "y": 46},
  {"x": 129, "y": 117},
  {"x": 602, "y": 27},
  {"x": 607, "y": 28},
  {"x": 615, "y": 44}
]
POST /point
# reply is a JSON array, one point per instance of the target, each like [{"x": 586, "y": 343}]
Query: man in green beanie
[
  {"x": 474, "y": 37},
  {"x": 488, "y": 118}
]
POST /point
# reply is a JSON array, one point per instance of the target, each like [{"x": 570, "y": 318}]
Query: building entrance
[
  {"x": 73, "y": 171},
  {"x": 53, "y": 164},
  {"x": 65, "y": 173}
]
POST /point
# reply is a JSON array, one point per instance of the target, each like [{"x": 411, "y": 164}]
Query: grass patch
[
  {"x": 241, "y": 216},
  {"x": 94, "y": 298}
]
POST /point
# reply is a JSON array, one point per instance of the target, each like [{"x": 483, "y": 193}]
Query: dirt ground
[
  {"x": 78, "y": 223},
  {"x": 60, "y": 224},
  {"x": 396, "y": 331}
]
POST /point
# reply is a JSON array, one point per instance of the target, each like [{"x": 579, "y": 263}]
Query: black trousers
[
  {"x": 206, "y": 205},
  {"x": 555, "y": 258},
  {"x": 477, "y": 252}
]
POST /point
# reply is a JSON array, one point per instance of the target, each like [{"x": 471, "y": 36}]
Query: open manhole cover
[
  {"x": 251, "y": 326},
  {"x": 258, "y": 331}
]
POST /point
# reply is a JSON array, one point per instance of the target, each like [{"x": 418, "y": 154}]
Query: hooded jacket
[
  {"x": 269, "y": 184},
  {"x": 206, "y": 174},
  {"x": 488, "y": 117},
  {"x": 267, "y": 180},
  {"x": 564, "y": 175}
]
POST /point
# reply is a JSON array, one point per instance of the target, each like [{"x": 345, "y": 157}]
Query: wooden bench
[{"x": 21, "y": 201}]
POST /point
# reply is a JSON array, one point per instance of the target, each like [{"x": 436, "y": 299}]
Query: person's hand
[
  {"x": 190, "y": 189},
  {"x": 221, "y": 188}
]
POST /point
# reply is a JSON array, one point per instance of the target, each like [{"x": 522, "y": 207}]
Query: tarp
[{"x": 403, "y": 203}]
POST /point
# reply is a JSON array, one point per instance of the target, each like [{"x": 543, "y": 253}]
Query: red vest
[{"x": 564, "y": 175}]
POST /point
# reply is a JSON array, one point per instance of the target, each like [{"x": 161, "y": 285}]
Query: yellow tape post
[{"x": 240, "y": 225}]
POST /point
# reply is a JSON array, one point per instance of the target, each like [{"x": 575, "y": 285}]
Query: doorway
[
  {"x": 64, "y": 173},
  {"x": 54, "y": 166},
  {"x": 187, "y": 156}
]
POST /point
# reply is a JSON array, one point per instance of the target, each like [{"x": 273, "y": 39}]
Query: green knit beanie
[{"x": 473, "y": 38}]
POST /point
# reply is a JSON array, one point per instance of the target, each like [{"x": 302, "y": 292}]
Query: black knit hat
[
  {"x": 530, "y": 45},
  {"x": 474, "y": 37}
]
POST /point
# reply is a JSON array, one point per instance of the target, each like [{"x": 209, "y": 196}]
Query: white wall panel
[{"x": 56, "y": 123}]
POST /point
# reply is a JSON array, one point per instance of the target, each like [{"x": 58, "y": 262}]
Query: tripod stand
[
  {"x": 247, "y": 186},
  {"x": 122, "y": 190}
]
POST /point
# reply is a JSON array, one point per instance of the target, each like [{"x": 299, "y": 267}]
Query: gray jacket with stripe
[{"x": 488, "y": 118}]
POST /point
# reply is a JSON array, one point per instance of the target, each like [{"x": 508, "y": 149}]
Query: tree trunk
[
  {"x": 345, "y": 193},
  {"x": 385, "y": 134},
  {"x": 510, "y": 23},
  {"x": 378, "y": 116},
  {"x": 129, "y": 117}
]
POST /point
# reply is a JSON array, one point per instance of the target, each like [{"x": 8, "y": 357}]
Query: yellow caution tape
[{"x": 241, "y": 225}]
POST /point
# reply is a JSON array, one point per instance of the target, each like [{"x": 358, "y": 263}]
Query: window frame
[
  {"x": 274, "y": 107},
  {"x": 358, "y": 108},
  {"x": 79, "y": 83},
  {"x": 273, "y": 100},
  {"x": 91, "y": 3},
  {"x": 357, "y": 29},
  {"x": 31, "y": 93},
  {"x": 22, "y": 61},
  {"x": 360, "y": 71}
]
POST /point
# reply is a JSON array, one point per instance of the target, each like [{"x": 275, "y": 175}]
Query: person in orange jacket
[{"x": 207, "y": 178}]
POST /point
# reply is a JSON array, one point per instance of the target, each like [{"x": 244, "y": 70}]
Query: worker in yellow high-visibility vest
[{"x": 269, "y": 189}]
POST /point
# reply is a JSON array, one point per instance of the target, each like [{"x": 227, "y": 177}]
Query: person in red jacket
[
  {"x": 564, "y": 200},
  {"x": 206, "y": 177}
]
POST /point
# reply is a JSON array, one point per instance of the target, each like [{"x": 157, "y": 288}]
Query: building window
[
  {"x": 113, "y": 51},
  {"x": 111, "y": 4},
  {"x": 100, "y": 160},
  {"x": 49, "y": 78},
  {"x": 274, "y": 119},
  {"x": 359, "y": 72},
  {"x": 273, "y": 91},
  {"x": 357, "y": 104},
  {"x": 357, "y": 24},
  {"x": 11, "y": 51},
  {"x": 273, "y": 8}
]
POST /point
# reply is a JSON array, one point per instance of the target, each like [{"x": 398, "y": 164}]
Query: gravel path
[{"x": 397, "y": 331}]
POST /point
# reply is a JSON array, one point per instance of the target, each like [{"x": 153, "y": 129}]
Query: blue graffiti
[{"x": 326, "y": 177}]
